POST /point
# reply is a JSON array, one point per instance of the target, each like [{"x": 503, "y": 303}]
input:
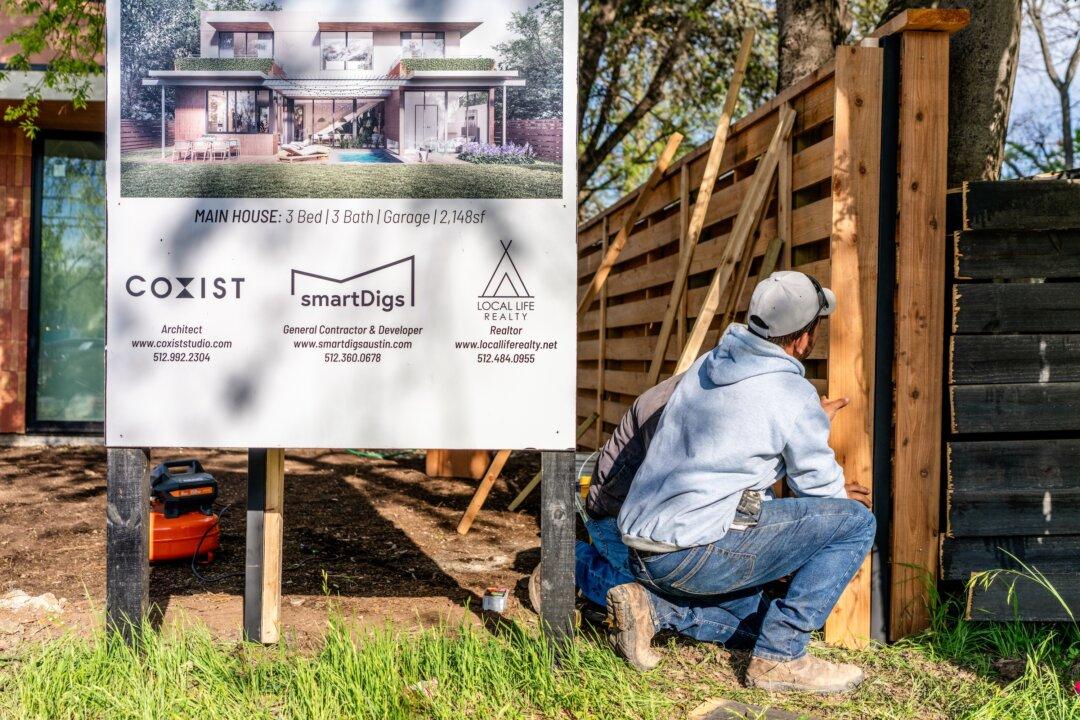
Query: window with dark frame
[
  {"x": 244, "y": 112},
  {"x": 246, "y": 44}
]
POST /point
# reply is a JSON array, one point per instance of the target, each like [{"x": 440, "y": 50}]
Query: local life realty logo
[
  {"x": 506, "y": 297},
  {"x": 387, "y": 287}
]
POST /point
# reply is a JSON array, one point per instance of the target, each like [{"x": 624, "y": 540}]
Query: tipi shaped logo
[{"x": 506, "y": 282}]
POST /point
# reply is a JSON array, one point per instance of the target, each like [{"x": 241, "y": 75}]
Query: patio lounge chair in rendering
[{"x": 290, "y": 152}]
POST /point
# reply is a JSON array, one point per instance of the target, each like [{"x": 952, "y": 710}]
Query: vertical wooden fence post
[
  {"x": 557, "y": 515},
  {"x": 602, "y": 349},
  {"x": 854, "y": 254},
  {"x": 127, "y": 539},
  {"x": 262, "y": 580},
  {"x": 920, "y": 308}
]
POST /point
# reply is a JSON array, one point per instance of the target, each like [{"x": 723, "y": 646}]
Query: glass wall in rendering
[
  {"x": 443, "y": 120},
  {"x": 339, "y": 122},
  {"x": 237, "y": 111},
  {"x": 67, "y": 368}
]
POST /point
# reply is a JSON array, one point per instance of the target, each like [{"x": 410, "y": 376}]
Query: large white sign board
[{"x": 390, "y": 292}]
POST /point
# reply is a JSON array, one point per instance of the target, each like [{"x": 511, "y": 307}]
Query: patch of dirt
[{"x": 377, "y": 537}]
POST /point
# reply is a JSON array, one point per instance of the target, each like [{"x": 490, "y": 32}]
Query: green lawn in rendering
[{"x": 140, "y": 177}]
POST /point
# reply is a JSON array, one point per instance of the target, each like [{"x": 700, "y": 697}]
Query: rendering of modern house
[{"x": 268, "y": 78}]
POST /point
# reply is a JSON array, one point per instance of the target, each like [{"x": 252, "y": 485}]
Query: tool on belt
[{"x": 748, "y": 512}]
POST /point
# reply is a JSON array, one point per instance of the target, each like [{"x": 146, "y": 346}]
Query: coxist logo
[
  {"x": 506, "y": 297},
  {"x": 386, "y": 287}
]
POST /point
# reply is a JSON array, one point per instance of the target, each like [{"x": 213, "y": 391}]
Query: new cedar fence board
[
  {"x": 1014, "y": 396},
  {"x": 1053, "y": 555},
  {"x": 920, "y": 325},
  {"x": 856, "y": 171}
]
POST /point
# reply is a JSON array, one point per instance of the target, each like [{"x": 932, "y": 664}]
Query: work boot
[
  {"x": 534, "y": 589},
  {"x": 807, "y": 674},
  {"x": 629, "y": 618}
]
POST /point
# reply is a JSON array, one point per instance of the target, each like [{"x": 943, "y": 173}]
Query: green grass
[
  {"x": 947, "y": 672},
  {"x": 141, "y": 178},
  {"x": 466, "y": 672},
  {"x": 381, "y": 674}
]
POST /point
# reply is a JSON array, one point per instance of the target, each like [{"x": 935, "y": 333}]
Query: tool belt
[{"x": 747, "y": 515}]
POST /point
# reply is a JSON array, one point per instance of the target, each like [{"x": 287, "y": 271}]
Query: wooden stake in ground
[
  {"x": 750, "y": 212},
  {"x": 617, "y": 245},
  {"x": 127, "y": 539},
  {"x": 701, "y": 207},
  {"x": 527, "y": 490},
  {"x": 262, "y": 583}
]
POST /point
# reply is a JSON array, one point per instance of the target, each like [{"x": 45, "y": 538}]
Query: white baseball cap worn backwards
[{"x": 787, "y": 302}]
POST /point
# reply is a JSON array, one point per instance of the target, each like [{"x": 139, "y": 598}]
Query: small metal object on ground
[{"x": 495, "y": 599}]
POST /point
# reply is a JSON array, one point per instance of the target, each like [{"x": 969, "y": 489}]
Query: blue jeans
[
  {"x": 819, "y": 542},
  {"x": 605, "y": 563}
]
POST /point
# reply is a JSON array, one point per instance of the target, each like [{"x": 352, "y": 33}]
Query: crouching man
[{"x": 702, "y": 532}]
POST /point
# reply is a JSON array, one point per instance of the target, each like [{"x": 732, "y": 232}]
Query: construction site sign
[{"x": 345, "y": 225}]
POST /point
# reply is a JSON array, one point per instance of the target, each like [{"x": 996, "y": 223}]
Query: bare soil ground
[{"x": 378, "y": 536}]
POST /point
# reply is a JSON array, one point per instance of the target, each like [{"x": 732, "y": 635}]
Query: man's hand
[
  {"x": 857, "y": 492},
  {"x": 831, "y": 407}
]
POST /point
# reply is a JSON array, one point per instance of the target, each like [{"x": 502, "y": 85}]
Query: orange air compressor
[{"x": 182, "y": 520}]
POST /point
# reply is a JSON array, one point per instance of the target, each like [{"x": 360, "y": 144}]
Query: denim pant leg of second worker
[
  {"x": 604, "y": 563},
  {"x": 820, "y": 542}
]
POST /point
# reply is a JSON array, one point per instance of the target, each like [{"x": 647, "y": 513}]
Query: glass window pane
[
  {"x": 225, "y": 44},
  {"x": 246, "y": 114},
  {"x": 333, "y": 50},
  {"x": 412, "y": 46},
  {"x": 359, "y": 51},
  {"x": 216, "y": 112},
  {"x": 71, "y": 318},
  {"x": 264, "y": 45}
]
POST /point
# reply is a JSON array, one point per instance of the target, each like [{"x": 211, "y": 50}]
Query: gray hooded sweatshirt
[{"x": 743, "y": 417}]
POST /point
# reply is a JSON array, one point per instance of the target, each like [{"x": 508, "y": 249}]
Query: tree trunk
[
  {"x": 1066, "y": 128},
  {"x": 982, "y": 72},
  {"x": 808, "y": 33}
]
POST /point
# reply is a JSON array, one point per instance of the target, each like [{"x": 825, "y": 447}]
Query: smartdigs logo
[{"x": 394, "y": 287}]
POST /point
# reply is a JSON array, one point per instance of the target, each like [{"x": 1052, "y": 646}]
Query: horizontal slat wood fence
[
  {"x": 616, "y": 338},
  {"x": 1014, "y": 392},
  {"x": 860, "y": 194},
  {"x": 144, "y": 134}
]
